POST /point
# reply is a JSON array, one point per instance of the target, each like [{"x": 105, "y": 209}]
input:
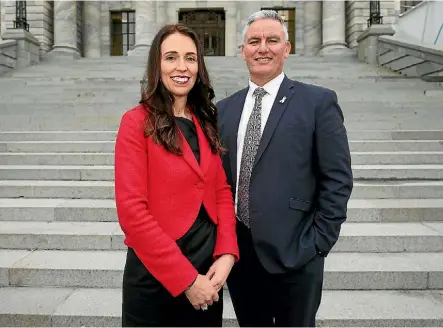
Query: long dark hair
[{"x": 158, "y": 100}]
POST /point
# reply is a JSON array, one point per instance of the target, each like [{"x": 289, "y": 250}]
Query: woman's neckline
[{"x": 185, "y": 118}]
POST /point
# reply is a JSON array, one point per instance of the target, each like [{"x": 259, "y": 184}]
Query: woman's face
[{"x": 179, "y": 65}]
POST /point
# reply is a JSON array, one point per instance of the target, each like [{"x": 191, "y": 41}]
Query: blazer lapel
[
  {"x": 188, "y": 154},
  {"x": 286, "y": 90},
  {"x": 235, "y": 113}
]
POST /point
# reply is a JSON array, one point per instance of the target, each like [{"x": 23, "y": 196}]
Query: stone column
[
  {"x": 299, "y": 27},
  {"x": 2, "y": 17},
  {"x": 91, "y": 29},
  {"x": 65, "y": 29},
  {"x": 231, "y": 31},
  {"x": 313, "y": 27},
  {"x": 161, "y": 14},
  {"x": 145, "y": 27},
  {"x": 334, "y": 27},
  {"x": 246, "y": 9}
]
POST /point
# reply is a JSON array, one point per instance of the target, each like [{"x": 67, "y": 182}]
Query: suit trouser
[{"x": 261, "y": 299}]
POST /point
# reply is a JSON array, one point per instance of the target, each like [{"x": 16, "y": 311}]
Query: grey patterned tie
[{"x": 251, "y": 142}]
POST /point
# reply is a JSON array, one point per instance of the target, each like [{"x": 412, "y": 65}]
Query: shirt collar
[{"x": 271, "y": 87}]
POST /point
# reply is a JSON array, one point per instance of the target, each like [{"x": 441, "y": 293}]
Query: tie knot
[{"x": 259, "y": 92}]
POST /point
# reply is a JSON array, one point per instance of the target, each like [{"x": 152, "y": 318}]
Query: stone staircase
[{"x": 61, "y": 249}]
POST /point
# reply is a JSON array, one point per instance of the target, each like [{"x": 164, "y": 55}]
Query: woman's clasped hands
[{"x": 204, "y": 291}]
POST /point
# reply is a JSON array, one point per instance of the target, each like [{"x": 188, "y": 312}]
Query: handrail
[
  {"x": 426, "y": 52},
  {"x": 438, "y": 34},
  {"x": 413, "y": 8}
]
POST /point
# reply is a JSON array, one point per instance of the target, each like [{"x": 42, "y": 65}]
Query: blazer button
[{"x": 200, "y": 185}]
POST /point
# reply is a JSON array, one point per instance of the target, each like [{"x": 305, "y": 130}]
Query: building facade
[{"x": 119, "y": 28}]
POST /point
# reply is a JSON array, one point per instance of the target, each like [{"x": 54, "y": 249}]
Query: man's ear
[{"x": 287, "y": 49}]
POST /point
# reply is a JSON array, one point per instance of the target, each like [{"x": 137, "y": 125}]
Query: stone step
[
  {"x": 59, "y": 158},
  {"x": 354, "y": 237},
  {"x": 103, "y": 210},
  {"x": 56, "y": 136},
  {"x": 89, "y": 118},
  {"x": 347, "y": 101},
  {"x": 105, "y": 189},
  {"x": 396, "y": 145},
  {"x": 395, "y": 189},
  {"x": 62, "y": 95},
  {"x": 72, "y": 157},
  {"x": 294, "y": 71},
  {"x": 57, "y": 146},
  {"x": 63, "y": 189},
  {"x": 337, "y": 73},
  {"x": 129, "y": 85},
  {"x": 106, "y": 172},
  {"x": 397, "y": 158},
  {"x": 398, "y": 172},
  {"x": 104, "y": 269},
  {"x": 93, "y": 146},
  {"x": 101, "y": 307},
  {"x": 369, "y": 138},
  {"x": 59, "y": 135},
  {"x": 403, "y": 114}
]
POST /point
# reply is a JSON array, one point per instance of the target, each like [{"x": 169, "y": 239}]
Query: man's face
[{"x": 265, "y": 50}]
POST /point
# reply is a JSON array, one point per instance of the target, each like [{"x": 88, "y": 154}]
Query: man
[{"x": 289, "y": 166}]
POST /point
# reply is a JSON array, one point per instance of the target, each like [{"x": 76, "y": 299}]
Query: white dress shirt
[{"x": 271, "y": 88}]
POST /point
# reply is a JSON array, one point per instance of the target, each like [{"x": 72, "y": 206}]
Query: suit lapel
[
  {"x": 286, "y": 90},
  {"x": 235, "y": 113}
]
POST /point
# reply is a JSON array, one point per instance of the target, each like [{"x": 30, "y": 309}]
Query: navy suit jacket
[{"x": 302, "y": 177}]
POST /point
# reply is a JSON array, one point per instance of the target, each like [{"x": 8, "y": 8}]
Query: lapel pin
[{"x": 282, "y": 100}]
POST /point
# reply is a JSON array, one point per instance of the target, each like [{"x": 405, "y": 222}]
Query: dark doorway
[{"x": 209, "y": 25}]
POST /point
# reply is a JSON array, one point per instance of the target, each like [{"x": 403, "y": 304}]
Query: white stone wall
[
  {"x": 80, "y": 26},
  {"x": 236, "y": 14},
  {"x": 40, "y": 20},
  {"x": 106, "y": 8},
  {"x": 2, "y": 19},
  {"x": 357, "y": 14},
  {"x": 246, "y": 8},
  {"x": 231, "y": 11},
  {"x": 9, "y": 14}
]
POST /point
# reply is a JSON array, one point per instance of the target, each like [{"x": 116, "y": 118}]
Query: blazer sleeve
[
  {"x": 334, "y": 172},
  {"x": 155, "y": 249},
  {"x": 226, "y": 242}
]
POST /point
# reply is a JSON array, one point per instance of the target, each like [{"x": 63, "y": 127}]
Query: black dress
[{"x": 146, "y": 303}]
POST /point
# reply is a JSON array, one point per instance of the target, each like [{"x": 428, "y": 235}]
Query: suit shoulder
[
  {"x": 135, "y": 113},
  {"x": 314, "y": 90},
  {"x": 222, "y": 103},
  {"x": 135, "y": 116}
]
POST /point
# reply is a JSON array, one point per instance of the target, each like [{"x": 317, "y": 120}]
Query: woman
[{"x": 173, "y": 202}]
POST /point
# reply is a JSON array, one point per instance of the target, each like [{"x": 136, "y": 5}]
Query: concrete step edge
[
  {"x": 102, "y": 307},
  {"x": 101, "y": 183},
  {"x": 104, "y": 269},
  {"x": 354, "y": 237}
]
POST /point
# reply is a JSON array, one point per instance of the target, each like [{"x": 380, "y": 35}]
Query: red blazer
[{"x": 159, "y": 194}]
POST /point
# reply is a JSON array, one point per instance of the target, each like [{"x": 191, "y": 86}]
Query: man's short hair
[{"x": 265, "y": 14}]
